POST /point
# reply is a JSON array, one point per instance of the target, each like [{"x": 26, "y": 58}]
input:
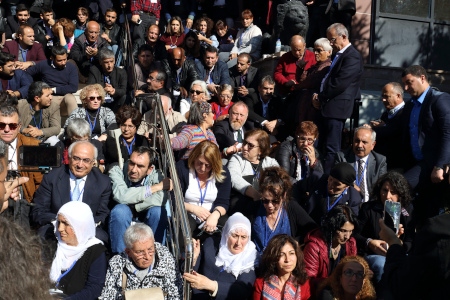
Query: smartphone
[
  {"x": 392, "y": 211},
  {"x": 39, "y": 156},
  {"x": 139, "y": 21}
]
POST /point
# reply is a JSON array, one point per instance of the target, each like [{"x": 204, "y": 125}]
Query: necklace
[
  {"x": 171, "y": 43},
  {"x": 336, "y": 250}
]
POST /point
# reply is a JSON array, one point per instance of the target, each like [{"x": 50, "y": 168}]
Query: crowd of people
[{"x": 279, "y": 204}]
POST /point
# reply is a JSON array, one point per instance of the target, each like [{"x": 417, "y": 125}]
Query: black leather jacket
[{"x": 188, "y": 74}]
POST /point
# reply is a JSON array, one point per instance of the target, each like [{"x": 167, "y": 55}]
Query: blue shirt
[{"x": 414, "y": 126}]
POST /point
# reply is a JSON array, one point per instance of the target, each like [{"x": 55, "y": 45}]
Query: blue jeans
[
  {"x": 376, "y": 264},
  {"x": 122, "y": 216}
]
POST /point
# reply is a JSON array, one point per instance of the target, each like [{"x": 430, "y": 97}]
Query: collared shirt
[
  {"x": 395, "y": 110},
  {"x": 12, "y": 155},
  {"x": 366, "y": 189},
  {"x": 73, "y": 180},
  {"x": 235, "y": 134},
  {"x": 22, "y": 57},
  {"x": 265, "y": 107},
  {"x": 416, "y": 144},
  {"x": 209, "y": 79}
]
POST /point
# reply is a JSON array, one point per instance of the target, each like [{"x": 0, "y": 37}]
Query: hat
[{"x": 344, "y": 172}]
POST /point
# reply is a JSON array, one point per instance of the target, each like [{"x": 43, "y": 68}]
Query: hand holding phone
[{"x": 392, "y": 211}]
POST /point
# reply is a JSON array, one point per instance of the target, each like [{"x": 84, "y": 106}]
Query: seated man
[
  {"x": 39, "y": 115},
  {"x": 142, "y": 67},
  {"x": 112, "y": 33},
  {"x": 111, "y": 78},
  {"x": 14, "y": 82},
  {"x": 26, "y": 51},
  {"x": 145, "y": 264},
  {"x": 78, "y": 181},
  {"x": 22, "y": 17},
  {"x": 44, "y": 27},
  {"x": 244, "y": 77},
  {"x": 230, "y": 132},
  {"x": 61, "y": 77},
  {"x": 213, "y": 71},
  {"x": 140, "y": 195},
  {"x": 86, "y": 47},
  {"x": 368, "y": 164},
  {"x": 157, "y": 46},
  {"x": 155, "y": 84},
  {"x": 175, "y": 120}
]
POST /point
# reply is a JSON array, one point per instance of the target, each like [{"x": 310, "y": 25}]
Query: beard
[{"x": 235, "y": 125}]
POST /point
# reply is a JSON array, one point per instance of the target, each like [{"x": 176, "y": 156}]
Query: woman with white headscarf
[
  {"x": 79, "y": 267},
  {"x": 228, "y": 266}
]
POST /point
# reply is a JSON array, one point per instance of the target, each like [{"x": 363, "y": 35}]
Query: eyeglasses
[
  {"x": 225, "y": 96},
  {"x": 92, "y": 98},
  {"x": 127, "y": 126},
  {"x": 349, "y": 273},
  {"x": 250, "y": 145},
  {"x": 196, "y": 92},
  {"x": 141, "y": 253},
  {"x": 12, "y": 126},
  {"x": 303, "y": 140},
  {"x": 274, "y": 202},
  {"x": 84, "y": 160},
  {"x": 319, "y": 50},
  {"x": 333, "y": 40}
]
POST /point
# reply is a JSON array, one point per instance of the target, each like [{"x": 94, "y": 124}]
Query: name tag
[{"x": 154, "y": 1}]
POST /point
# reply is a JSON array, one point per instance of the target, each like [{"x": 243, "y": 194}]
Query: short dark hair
[
  {"x": 246, "y": 55},
  {"x": 143, "y": 48},
  {"x": 161, "y": 76},
  {"x": 46, "y": 9},
  {"x": 8, "y": 110},
  {"x": 58, "y": 50},
  {"x": 110, "y": 10},
  {"x": 22, "y": 28},
  {"x": 126, "y": 112},
  {"x": 21, "y": 7},
  {"x": 415, "y": 71},
  {"x": 145, "y": 150},
  {"x": 6, "y": 58},
  {"x": 211, "y": 49},
  {"x": 268, "y": 79},
  {"x": 36, "y": 89}
]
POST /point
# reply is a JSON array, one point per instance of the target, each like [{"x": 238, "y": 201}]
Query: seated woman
[
  {"x": 225, "y": 270},
  {"x": 206, "y": 186},
  {"x": 63, "y": 32},
  {"x": 198, "y": 92},
  {"x": 82, "y": 19},
  {"x": 204, "y": 26},
  {"x": 174, "y": 35},
  {"x": 391, "y": 186},
  {"x": 128, "y": 118},
  {"x": 191, "y": 46},
  {"x": 298, "y": 156},
  {"x": 99, "y": 118},
  {"x": 327, "y": 245},
  {"x": 277, "y": 213},
  {"x": 350, "y": 280},
  {"x": 225, "y": 37},
  {"x": 144, "y": 264},
  {"x": 220, "y": 109},
  {"x": 331, "y": 190},
  {"x": 246, "y": 168},
  {"x": 79, "y": 266},
  {"x": 200, "y": 120},
  {"x": 283, "y": 274}
]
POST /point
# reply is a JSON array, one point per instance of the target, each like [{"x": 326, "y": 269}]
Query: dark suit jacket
[
  {"x": 376, "y": 165},
  {"x": 255, "y": 109},
  {"x": 341, "y": 87},
  {"x": 19, "y": 82},
  {"x": 118, "y": 78},
  {"x": 252, "y": 79},
  {"x": 78, "y": 53},
  {"x": 224, "y": 134},
  {"x": 12, "y": 25},
  {"x": 188, "y": 74},
  {"x": 35, "y": 53},
  {"x": 220, "y": 74},
  {"x": 54, "y": 192}
]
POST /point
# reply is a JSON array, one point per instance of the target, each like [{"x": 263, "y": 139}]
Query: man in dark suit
[
  {"x": 213, "y": 71},
  {"x": 14, "y": 82},
  {"x": 230, "y": 132},
  {"x": 244, "y": 77},
  {"x": 391, "y": 126},
  {"x": 429, "y": 133},
  {"x": 338, "y": 91},
  {"x": 79, "y": 181},
  {"x": 368, "y": 164},
  {"x": 26, "y": 50},
  {"x": 112, "y": 78}
]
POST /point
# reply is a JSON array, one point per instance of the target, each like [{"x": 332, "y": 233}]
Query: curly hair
[
  {"x": 209, "y": 25},
  {"x": 398, "y": 183},
  {"x": 92, "y": 87},
  {"x": 335, "y": 219},
  {"x": 21, "y": 265},
  {"x": 271, "y": 256},
  {"x": 276, "y": 181},
  {"x": 263, "y": 140},
  {"x": 195, "y": 51},
  {"x": 367, "y": 291},
  {"x": 126, "y": 112}
]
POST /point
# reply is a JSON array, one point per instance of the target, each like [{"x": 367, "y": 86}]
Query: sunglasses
[
  {"x": 92, "y": 98},
  {"x": 274, "y": 202},
  {"x": 249, "y": 145},
  {"x": 12, "y": 126},
  {"x": 196, "y": 92}
]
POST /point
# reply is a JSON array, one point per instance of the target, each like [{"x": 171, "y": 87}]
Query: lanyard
[
  {"x": 40, "y": 121},
  {"x": 359, "y": 179},
  {"x": 218, "y": 113},
  {"x": 92, "y": 124},
  {"x": 202, "y": 196},
  {"x": 65, "y": 273},
  {"x": 130, "y": 145},
  {"x": 336, "y": 201}
]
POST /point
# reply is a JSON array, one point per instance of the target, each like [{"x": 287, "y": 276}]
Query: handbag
[{"x": 154, "y": 293}]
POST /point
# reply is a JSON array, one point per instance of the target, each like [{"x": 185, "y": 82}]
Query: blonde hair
[
  {"x": 212, "y": 154},
  {"x": 89, "y": 88}
]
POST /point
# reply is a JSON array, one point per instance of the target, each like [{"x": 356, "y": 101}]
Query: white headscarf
[
  {"x": 244, "y": 261},
  {"x": 79, "y": 216}
]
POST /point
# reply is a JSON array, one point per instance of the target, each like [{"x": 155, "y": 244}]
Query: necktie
[
  {"x": 239, "y": 136},
  {"x": 208, "y": 73},
  {"x": 362, "y": 185},
  {"x": 76, "y": 193}
]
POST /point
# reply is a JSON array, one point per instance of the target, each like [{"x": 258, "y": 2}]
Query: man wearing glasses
[{"x": 78, "y": 181}]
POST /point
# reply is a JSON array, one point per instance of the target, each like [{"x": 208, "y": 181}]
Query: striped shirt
[{"x": 189, "y": 137}]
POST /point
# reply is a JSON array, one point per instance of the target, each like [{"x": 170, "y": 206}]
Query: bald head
[
  {"x": 178, "y": 57},
  {"x": 92, "y": 31},
  {"x": 392, "y": 95},
  {"x": 166, "y": 104},
  {"x": 298, "y": 46}
]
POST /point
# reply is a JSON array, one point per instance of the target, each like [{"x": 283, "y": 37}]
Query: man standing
[
  {"x": 338, "y": 91},
  {"x": 244, "y": 77},
  {"x": 14, "y": 82},
  {"x": 141, "y": 196},
  {"x": 78, "y": 181},
  {"x": 144, "y": 13},
  {"x": 368, "y": 164},
  {"x": 213, "y": 71},
  {"x": 60, "y": 76},
  {"x": 39, "y": 115}
]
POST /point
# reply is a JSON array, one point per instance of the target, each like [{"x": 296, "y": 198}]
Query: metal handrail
[{"x": 128, "y": 54}]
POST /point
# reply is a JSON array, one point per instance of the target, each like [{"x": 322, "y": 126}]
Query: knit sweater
[{"x": 189, "y": 137}]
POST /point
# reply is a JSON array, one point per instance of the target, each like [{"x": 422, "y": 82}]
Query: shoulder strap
[{"x": 124, "y": 281}]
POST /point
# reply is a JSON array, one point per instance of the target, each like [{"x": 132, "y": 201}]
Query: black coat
[
  {"x": 118, "y": 79},
  {"x": 159, "y": 50},
  {"x": 78, "y": 53},
  {"x": 252, "y": 80},
  {"x": 187, "y": 75},
  {"x": 115, "y": 34},
  {"x": 225, "y": 134}
]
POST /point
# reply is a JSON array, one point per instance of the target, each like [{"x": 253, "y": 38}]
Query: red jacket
[{"x": 259, "y": 285}]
